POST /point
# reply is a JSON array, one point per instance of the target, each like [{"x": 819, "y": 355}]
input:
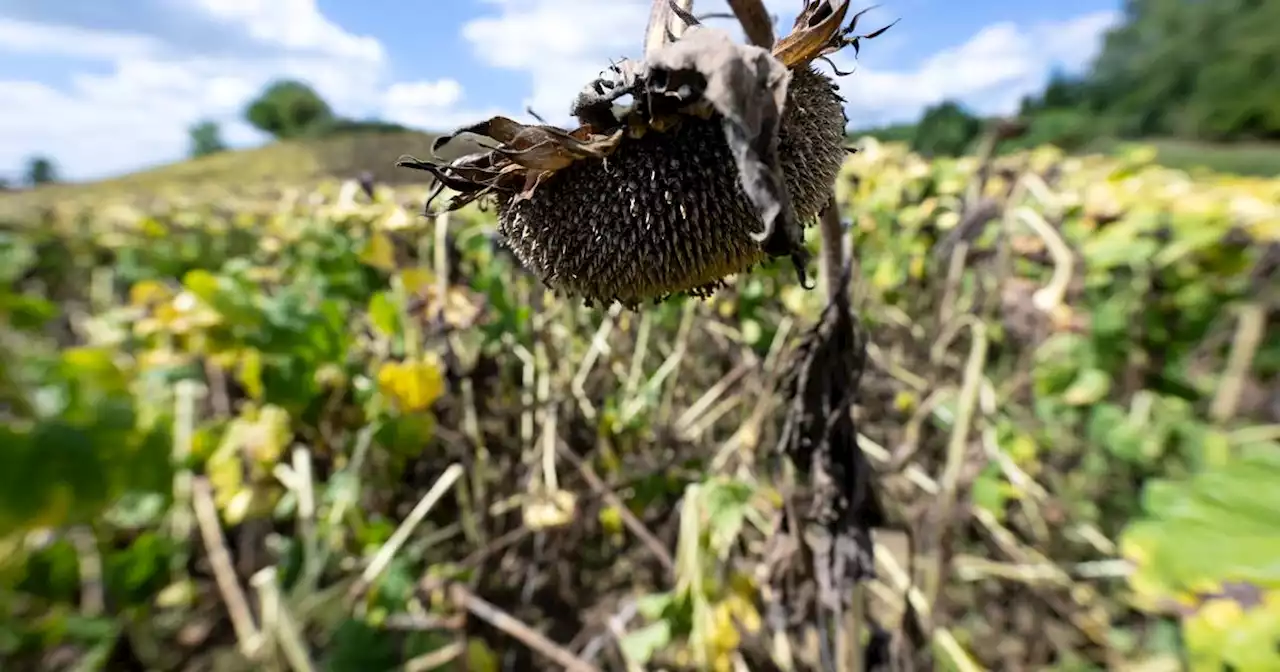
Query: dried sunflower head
[{"x": 725, "y": 151}]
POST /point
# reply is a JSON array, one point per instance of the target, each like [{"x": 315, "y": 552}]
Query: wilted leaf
[{"x": 550, "y": 509}]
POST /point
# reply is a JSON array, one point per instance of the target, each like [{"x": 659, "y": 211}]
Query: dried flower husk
[{"x": 726, "y": 152}]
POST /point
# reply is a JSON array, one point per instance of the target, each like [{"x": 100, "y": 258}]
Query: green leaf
[
  {"x": 1212, "y": 544},
  {"x": 383, "y": 314},
  {"x": 1090, "y": 387},
  {"x": 988, "y": 491},
  {"x": 653, "y": 606},
  {"x": 358, "y": 647},
  {"x": 203, "y": 284},
  {"x": 641, "y": 645},
  {"x": 726, "y": 505}
]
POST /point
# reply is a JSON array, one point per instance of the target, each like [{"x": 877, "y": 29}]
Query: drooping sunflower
[{"x": 720, "y": 157}]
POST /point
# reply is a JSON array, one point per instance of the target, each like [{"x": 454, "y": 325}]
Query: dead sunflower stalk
[{"x": 720, "y": 157}]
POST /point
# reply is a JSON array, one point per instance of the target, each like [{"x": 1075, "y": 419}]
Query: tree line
[{"x": 1175, "y": 69}]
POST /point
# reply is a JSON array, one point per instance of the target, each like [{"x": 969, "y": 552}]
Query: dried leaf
[
  {"x": 748, "y": 87},
  {"x": 815, "y": 28},
  {"x": 817, "y": 33},
  {"x": 525, "y": 157}
]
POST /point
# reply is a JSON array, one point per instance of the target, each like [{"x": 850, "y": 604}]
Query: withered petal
[
  {"x": 815, "y": 28},
  {"x": 546, "y": 155}
]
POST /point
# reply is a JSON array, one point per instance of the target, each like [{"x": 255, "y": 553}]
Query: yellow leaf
[
  {"x": 412, "y": 385},
  {"x": 480, "y": 658},
  {"x": 905, "y": 401},
  {"x": 611, "y": 519},
  {"x": 379, "y": 252},
  {"x": 417, "y": 280},
  {"x": 147, "y": 292},
  {"x": 250, "y": 373}
]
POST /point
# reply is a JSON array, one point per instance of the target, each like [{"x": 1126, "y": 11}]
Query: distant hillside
[{"x": 294, "y": 162}]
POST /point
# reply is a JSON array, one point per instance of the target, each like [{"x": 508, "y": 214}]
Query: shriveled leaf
[
  {"x": 816, "y": 25},
  {"x": 525, "y": 156},
  {"x": 747, "y": 86}
]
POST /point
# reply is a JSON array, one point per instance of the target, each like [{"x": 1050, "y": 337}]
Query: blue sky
[{"x": 105, "y": 91}]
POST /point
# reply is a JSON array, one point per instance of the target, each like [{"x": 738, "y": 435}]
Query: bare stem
[
  {"x": 224, "y": 573},
  {"x": 519, "y": 631},
  {"x": 832, "y": 246},
  {"x": 755, "y": 21}
]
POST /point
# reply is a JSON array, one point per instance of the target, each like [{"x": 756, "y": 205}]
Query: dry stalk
[
  {"x": 663, "y": 22},
  {"x": 1244, "y": 345},
  {"x": 754, "y": 18},
  {"x": 392, "y": 546},
  {"x": 278, "y": 625},
  {"x": 224, "y": 574},
  {"x": 629, "y": 519},
  {"x": 966, "y": 406},
  {"x": 528, "y": 636}
]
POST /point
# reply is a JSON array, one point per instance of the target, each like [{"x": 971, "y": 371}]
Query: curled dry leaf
[{"x": 720, "y": 157}]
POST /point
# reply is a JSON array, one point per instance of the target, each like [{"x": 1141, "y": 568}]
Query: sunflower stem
[
  {"x": 755, "y": 21},
  {"x": 832, "y": 260}
]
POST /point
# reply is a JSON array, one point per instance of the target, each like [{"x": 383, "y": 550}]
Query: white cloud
[
  {"x": 295, "y": 25},
  {"x": 50, "y": 40},
  {"x": 562, "y": 44},
  {"x": 137, "y": 112},
  {"x": 434, "y": 104},
  {"x": 990, "y": 72}
]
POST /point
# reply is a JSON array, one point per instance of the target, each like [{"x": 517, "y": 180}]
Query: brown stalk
[
  {"x": 524, "y": 634},
  {"x": 755, "y": 21}
]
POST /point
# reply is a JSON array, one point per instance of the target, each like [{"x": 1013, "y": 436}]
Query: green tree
[
  {"x": 946, "y": 129},
  {"x": 41, "y": 170},
  {"x": 1192, "y": 69},
  {"x": 288, "y": 109},
  {"x": 206, "y": 139}
]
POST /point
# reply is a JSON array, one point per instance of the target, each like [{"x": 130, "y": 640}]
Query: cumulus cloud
[
  {"x": 172, "y": 63},
  {"x": 438, "y": 104},
  {"x": 562, "y": 44},
  {"x": 990, "y": 72}
]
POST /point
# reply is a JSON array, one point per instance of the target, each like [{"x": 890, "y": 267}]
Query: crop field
[{"x": 296, "y": 428}]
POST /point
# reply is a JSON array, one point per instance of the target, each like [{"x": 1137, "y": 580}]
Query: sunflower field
[{"x": 299, "y": 428}]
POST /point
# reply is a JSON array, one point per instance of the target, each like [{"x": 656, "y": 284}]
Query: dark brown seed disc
[{"x": 665, "y": 213}]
